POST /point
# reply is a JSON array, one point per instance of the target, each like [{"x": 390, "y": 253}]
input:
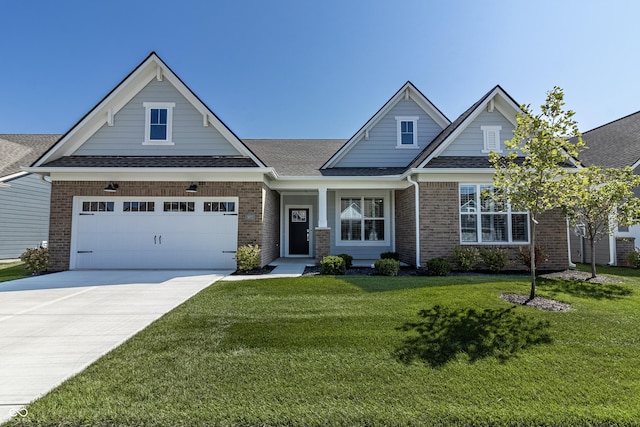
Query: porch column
[{"x": 322, "y": 207}]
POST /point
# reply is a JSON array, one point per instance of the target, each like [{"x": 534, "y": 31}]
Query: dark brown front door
[{"x": 298, "y": 231}]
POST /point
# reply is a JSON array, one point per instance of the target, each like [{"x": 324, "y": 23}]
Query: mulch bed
[{"x": 538, "y": 302}]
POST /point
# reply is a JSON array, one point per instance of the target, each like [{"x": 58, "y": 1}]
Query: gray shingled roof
[
  {"x": 614, "y": 145},
  {"x": 295, "y": 157},
  {"x": 152, "y": 162},
  {"x": 22, "y": 150}
]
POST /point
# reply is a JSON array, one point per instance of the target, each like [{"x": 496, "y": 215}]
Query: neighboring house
[
  {"x": 24, "y": 197},
  {"x": 613, "y": 145},
  {"x": 152, "y": 178}
]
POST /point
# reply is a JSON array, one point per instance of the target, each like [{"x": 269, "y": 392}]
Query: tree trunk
[
  {"x": 532, "y": 249},
  {"x": 593, "y": 258}
]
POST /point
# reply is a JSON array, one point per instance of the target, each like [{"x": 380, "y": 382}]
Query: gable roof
[
  {"x": 295, "y": 157},
  {"x": 152, "y": 67},
  {"x": 615, "y": 144},
  {"x": 408, "y": 90},
  {"x": 18, "y": 150},
  {"x": 448, "y": 135}
]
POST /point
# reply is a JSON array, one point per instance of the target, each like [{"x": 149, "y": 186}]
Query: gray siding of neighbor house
[
  {"x": 380, "y": 149},
  {"x": 126, "y": 135},
  {"x": 471, "y": 141},
  {"x": 24, "y": 215},
  {"x": 356, "y": 251}
]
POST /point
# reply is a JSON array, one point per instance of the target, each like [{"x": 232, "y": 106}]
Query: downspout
[
  {"x": 417, "y": 216},
  {"x": 571, "y": 264}
]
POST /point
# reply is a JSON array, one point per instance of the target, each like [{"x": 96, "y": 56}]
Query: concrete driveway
[{"x": 55, "y": 325}]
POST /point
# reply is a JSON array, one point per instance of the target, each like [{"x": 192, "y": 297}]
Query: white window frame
[
  {"x": 494, "y": 145},
  {"x": 477, "y": 211},
  {"x": 385, "y": 196},
  {"x": 414, "y": 120},
  {"x": 148, "y": 106}
]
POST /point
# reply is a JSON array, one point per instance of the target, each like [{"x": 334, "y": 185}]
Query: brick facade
[
  {"x": 440, "y": 228},
  {"x": 323, "y": 243},
  {"x": 405, "y": 203},
  {"x": 624, "y": 246},
  {"x": 252, "y": 227}
]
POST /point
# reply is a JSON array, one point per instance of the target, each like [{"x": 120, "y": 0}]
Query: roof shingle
[{"x": 18, "y": 150}]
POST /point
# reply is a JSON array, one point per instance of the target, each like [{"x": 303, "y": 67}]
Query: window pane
[
  {"x": 374, "y": 229},
  {"x": 158, "y": 132},
  {"x": 487, "y": 202},
  {"x": 494, "y": 228},
  {"x": 86, "y": 206},
  {"x": 373, "y": 208},
  {"x": 163, "y": 116},
  {"x": 468, "y": 198},
  {"x": 350, "y": 229},
  {"x": 351, "y": 209},
  {"x": 519, "y": 228},
  {"x": 469, "y": 230},
  {"x": 231, "y": 206},
  {"x": 154, "y": 116}
]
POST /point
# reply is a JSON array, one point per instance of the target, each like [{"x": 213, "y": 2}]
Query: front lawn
[
  {"x": 12, "y": 272},
  {"x": 351, "y": 351}
]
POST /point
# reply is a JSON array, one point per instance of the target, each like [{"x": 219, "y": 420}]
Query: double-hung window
[
  {"x": 483, "y": 220},
  {"x": 362, "y": 219},
  {"x": 158, "y": 123},
  {"x": 407, "y": 132}
]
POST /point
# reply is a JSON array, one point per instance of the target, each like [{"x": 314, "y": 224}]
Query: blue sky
[{"x": 318, "y": 69}]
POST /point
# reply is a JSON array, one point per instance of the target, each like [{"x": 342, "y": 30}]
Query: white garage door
[{"x": 154, "y": 233}]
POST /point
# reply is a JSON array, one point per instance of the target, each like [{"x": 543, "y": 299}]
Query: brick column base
[
  {"x": 323, "y": 243},
  {"x": 623, "y": 247}
]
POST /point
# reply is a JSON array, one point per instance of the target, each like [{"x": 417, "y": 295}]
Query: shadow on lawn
[
  {"x": 584, "y": 289},
  {"x": 444, "y": 333}
]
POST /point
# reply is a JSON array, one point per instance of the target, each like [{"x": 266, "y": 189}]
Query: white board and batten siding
[
  {"x": 125, "y": 137},
  {"x": 379, "y": 150},
  {"x": 24, "y": 215},
  {"x": 470, "y": 142},
  {"x": 107, "y": 235}
]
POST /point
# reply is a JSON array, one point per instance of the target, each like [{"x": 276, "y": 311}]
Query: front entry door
[{"x": 299, "y": 231}]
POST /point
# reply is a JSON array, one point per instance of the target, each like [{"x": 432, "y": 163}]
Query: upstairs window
[
  {"x": 407, "y": 132},
  {"x": 158, "y": 123},
  {"x": 491, "y": 138}
]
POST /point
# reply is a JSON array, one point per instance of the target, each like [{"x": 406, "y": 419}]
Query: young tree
[
  {"x": 600, "y": 200},
  {"x": 534, "y": 174}
]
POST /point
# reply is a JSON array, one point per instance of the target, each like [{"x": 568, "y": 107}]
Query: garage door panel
[{"x": 155, "y": 239}]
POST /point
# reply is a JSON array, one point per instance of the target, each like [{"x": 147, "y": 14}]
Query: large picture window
[
  {"x": 483, "y": 220},
  {"x": 362, "y": 219}
]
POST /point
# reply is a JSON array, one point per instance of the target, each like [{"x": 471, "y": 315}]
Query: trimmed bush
[
  {"x": 386, "y": 267},
  {"x": 348, "y": 260},
  {"x": 248, "y": 257},
  {"x": 36, "y": 260},
  {"x": 332, "y": 265},
  {"x": 495, "y": 259},
  {"x": 633, "y": 258},
  {"x": 390, "y": 255},
  {"x": 438, "y": 267},
  {"x": 524, "y": 255},
  {"x": 466, "y": 257}
]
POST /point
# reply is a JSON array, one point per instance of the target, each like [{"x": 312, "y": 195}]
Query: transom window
[
  {"x": 362, "y": 219},
  {"x": 179, "y": 206},
  {"x": 219, "y": 206},
  {"x": 158, "y": 123},
  {"x": 483, "y": 220},
  {"x": 97, "y": 206},
  {"x": 407, "y": 132},
  {"x": 138, "y": 206}
]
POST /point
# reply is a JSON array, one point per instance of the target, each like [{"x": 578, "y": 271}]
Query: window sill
[
  {"x": 407, "y": 147},
  {"x": 158, "y": 143},
  {"x": 362, "y": 243}
]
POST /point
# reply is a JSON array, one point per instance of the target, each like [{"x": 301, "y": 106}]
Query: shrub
[
  {"x": 332, "y": 265},
  {"x": 348, "y": 260},
  {"x": 438, "y": 267},
  {"x": 248, "y": 257},
  {"x": 390, "y": 255},
  {"x": 495, "y": 259},
  {"x": 633, "y": 258},
  {"x": 36, "y": 260},
  {"x": 466, "y": 257},
  {"x": 524, "y": 255},
  {"x": 386, "y": 267}
]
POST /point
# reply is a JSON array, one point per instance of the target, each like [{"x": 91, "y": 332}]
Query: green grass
[
  {"x": 351, "y": 351},
  {"x": 12, "y": 272}
]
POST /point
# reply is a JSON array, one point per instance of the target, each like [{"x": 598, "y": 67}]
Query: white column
[{"x": 322, "y": 207}]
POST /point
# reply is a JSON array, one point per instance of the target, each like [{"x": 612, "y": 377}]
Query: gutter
[{"x": 417, "y": 216}]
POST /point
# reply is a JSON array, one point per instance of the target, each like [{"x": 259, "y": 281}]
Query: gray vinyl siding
[
  {"x": 471, "y": 141},
  {"x": 126, "y": 135},
  {"x": 24, "y": 215},
  {"x": 356, "y": 251},
  {"x": 380, "y": 149}
]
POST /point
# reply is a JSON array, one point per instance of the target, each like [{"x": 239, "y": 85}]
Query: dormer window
[
  {"x": 407, "y": 132},
  {"x": 491, "y": 139},
  {"x": 158, "y": 123}
]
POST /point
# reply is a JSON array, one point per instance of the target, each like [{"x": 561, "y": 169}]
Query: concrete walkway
[{"x": 53, "y": 326}]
